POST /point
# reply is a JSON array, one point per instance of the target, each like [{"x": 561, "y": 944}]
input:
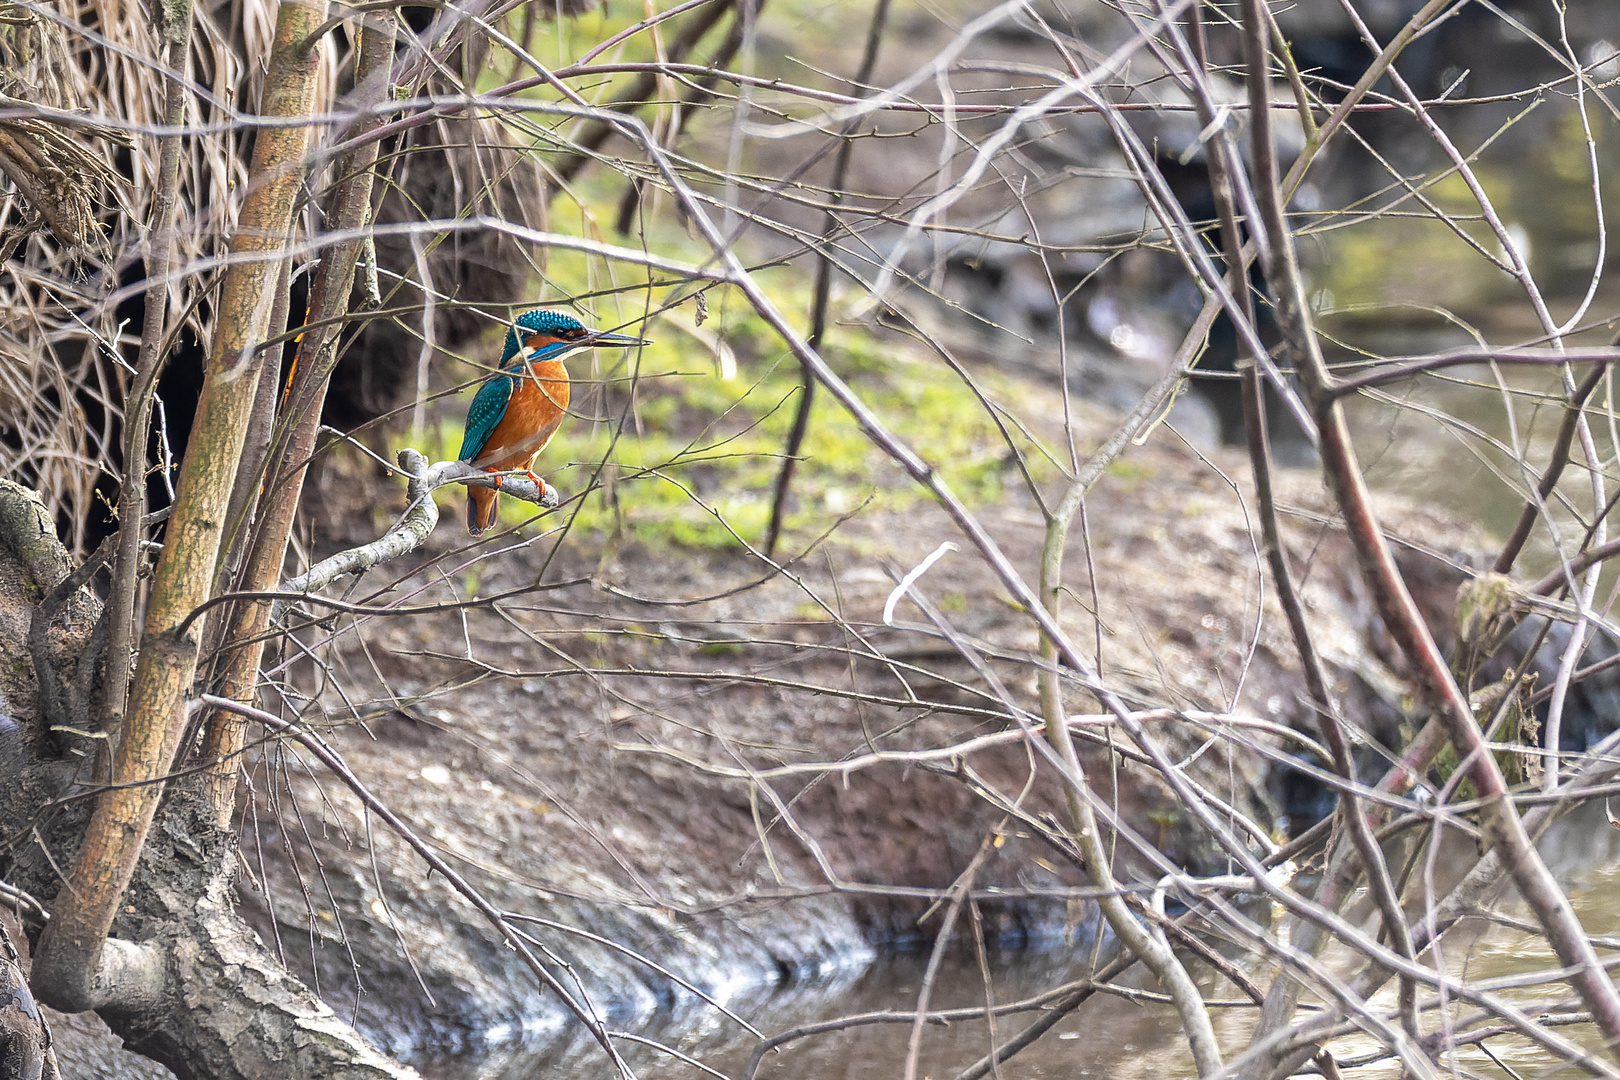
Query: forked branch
[
  {"x": 1502, "y": 823},
  {"x": 420, "y": 516}
]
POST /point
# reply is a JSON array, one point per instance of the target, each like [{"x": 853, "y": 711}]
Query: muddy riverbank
[{"x": 588, "y": 752}]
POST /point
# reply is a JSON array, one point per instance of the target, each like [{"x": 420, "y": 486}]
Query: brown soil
[
  {"x": 589, "y": 763},
  {"x": 584, "y": 745}
]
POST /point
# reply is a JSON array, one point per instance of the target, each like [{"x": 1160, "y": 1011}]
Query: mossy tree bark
[
  {"x": 71, "y": 949},
  {"x": 184, "y": 979},
  {"x": 349, "y": 213},
  {"x": 186, "y": 982}
]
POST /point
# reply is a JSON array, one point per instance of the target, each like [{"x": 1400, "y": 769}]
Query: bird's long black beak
[{"x": 604, "y": 339}]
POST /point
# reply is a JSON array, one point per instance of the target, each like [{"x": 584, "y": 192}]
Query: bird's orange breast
[{"x": 534, "y": 412}]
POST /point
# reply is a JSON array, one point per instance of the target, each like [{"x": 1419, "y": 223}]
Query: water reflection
[
  {"x": 1584, "y": 851},
  {"x": 1111, "y": 1036},
  {"x": 1108, "y": 1036},
  {"x": 1454, "y": 442}
]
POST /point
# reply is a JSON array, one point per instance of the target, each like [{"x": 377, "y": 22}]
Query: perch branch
[
  {"x": 420, "y": 516},
  {"x": 1601, "y": 355}
]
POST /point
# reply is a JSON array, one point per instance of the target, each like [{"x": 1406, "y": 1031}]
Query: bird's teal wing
[{"x": 488, "y": 406}]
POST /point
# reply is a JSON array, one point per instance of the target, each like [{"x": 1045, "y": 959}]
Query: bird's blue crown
[{"x": 537, "y": 322}]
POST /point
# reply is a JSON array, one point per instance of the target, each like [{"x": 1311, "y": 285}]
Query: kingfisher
[{"x": 517, "y": 411}]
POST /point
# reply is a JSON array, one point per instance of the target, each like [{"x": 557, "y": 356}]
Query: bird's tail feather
[{"x": 481, "y": 505}]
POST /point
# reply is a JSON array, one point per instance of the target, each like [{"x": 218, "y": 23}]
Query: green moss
[
  {"x": 1409, "y": 264},
  {"x": 443, "y": 439},
  {"x": 694, "y": 460},
  {"x": 1128, "y": 472},
  {"x": 673, "y": 452}
]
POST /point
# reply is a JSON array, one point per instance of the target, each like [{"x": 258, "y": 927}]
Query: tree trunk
[
  {"x": 213, "y": 1001},
  {"x": 143, "y": 928}
]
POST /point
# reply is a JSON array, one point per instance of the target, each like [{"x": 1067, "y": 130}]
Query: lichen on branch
[{"x": 420, "y": 516}]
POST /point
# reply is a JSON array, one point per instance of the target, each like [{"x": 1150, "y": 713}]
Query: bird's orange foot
[{"x": 549, "y": 498}]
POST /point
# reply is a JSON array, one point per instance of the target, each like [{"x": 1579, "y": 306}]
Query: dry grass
[{"x": 66, "y": 337}]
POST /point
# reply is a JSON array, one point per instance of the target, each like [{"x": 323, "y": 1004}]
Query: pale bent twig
[{"x": 421, "y": 515}]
